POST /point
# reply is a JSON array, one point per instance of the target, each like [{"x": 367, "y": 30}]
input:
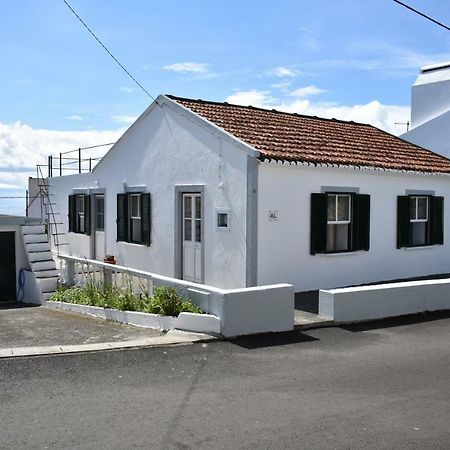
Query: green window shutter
[
  {"x": 436, "y": 220},
  {"x": 122, "y": 217},
  {"x": 87, "y": 214},
  {"x": 72, "y": 214},
  {"x": 318, "y": 223},
  {"x": 146, "y": 218},
  {"x": 403, "y": 221},
  {"x": 361, "y": 222}
]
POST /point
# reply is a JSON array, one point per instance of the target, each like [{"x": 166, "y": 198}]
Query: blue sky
[{"x": 59, "y": 90}]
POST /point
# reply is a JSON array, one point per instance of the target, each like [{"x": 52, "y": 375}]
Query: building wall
[
  {"x": 433, "y": 135},
  {"x": 163, "y": 149},
  {"x": 284, "y": 244},
  {"x": 430, "y": 95}
]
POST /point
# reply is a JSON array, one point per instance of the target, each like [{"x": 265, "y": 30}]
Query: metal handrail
[{"x": 52, "y": 213}]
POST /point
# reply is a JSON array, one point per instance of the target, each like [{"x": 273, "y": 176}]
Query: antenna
[{"x": 403, "y": 123}]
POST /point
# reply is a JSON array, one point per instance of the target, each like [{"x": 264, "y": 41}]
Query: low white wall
[
  {"x": 258, "y": 310},
  {"x": 384, "y": 300},
  {"x": 241, "y": 311}
]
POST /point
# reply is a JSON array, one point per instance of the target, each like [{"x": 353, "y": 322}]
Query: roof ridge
[{"x": 251, "y": 107}]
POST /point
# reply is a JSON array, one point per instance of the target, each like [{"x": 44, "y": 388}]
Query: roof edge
[
  {"x": 171, "y": 102},
  {"x": 257, "y": 108}
]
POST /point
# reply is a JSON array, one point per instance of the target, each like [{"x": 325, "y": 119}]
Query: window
[
  {"x": 134, "y": 218},
  {"x": 99, "y": 212},
  {"x": 223, "y": 219},
  {"x": 340, "y": 222},
  {"x": 419, "y": 220},
  {"x": 79, "y": 214}
]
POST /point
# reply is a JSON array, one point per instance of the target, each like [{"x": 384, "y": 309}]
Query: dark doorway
[{"x": 7, "y": 266}]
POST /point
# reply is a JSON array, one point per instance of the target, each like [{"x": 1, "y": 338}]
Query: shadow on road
[
  {"x": 271, "y": 340},
  {"x": 396, "y": 321}
]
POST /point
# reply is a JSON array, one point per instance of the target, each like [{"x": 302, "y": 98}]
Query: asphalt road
[{"x": 386, "y": 385}]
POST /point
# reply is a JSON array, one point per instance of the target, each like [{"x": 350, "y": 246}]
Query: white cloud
[
  {"x": 22, "y": 147},
  {"x": 124, "y": 119},
  {"x": 128, "y": 90},
  {"x": 75, "y": 117},
  {"x": 283, "y": 72},
  {"x": 253, "y": 97},
  {"x": 374, "y": 113},
  {"x": 307, "y": 91},
  {"x": 188, "y": 67}
]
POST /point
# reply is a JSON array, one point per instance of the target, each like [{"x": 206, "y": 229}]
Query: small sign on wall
[{"x": 273, "y": 215}]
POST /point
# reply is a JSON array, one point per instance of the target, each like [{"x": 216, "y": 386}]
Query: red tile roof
[{"x": 299, "y": 138}]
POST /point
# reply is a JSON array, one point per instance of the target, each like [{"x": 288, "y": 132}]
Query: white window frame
[
  {"x": 138, "y": 196},
  {"x": 340, "y": 222},
  {"x": 227, "y": 212},
  {"x": 416, "y": 198}
]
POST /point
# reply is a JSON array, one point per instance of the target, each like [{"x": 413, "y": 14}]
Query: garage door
[{"x": 7, "y": 266}]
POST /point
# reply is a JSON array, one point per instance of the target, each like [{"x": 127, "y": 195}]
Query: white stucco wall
[
  {"x": 430, "y": 94},
  {"x": 430, "y": 109},
  {"x": 163, "y": 149},
  {"x": 433, "y": 135},
  {"x": 284, "y": 245}
]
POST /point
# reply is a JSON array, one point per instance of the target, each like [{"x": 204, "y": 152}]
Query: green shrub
[{"x": 165, "y": 300}]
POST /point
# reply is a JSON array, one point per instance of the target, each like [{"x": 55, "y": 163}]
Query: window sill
[
  {"x": 356, "y": 252},
  {"x": 134, "y": 244},
  {"x": 420, "y": 247}
]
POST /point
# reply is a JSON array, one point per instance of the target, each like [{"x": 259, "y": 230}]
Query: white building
[
  {"x": 430, "y": 109},
  {"x": 235, "y": 196}
]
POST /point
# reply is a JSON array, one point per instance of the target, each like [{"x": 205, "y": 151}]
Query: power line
[
  {"x": 422, "y": 14},
  {"x": 109, "y": 53}
]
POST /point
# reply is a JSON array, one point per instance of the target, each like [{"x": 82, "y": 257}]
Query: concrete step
[
  {"x": 47, "y": 274},
  {"x": 40, "y": 256},
  {"x": 33, "y": 229},
  {"x": 42, "y": 247},
  {"x": 46, "y": 296},
  {"x": 43, "y": 265},
  {"x": 35, "y": 238},
  {"x": 47, "y": 284}
]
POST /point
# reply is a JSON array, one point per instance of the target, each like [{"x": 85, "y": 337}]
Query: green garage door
[{"x": 7, "y": 266}]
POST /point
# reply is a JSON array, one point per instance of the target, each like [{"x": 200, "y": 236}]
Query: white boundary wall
[
  {"x": 259, "y": 309},
  {"x": 384, "y": 300}
]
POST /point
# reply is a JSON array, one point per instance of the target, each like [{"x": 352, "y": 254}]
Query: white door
[
  {"x": 99, "y": 226},
  {"x": 192, "y": 237}
]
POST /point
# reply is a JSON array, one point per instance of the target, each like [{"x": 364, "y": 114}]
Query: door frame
[
  {"x": 178, "y": 229},
  {"x": 92, "y": 194}
]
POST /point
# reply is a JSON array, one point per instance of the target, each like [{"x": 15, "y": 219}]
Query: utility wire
[
  {"x": 422, "y": 14},
  {"x": 109, "y": 53}
]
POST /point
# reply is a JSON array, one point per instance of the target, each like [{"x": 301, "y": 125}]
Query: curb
[{"x": 173, "y": 337}]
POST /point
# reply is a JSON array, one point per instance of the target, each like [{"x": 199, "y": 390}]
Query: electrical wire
[
  {"x": 109, "y": 53},
  {"x": 422, "y": 14}
]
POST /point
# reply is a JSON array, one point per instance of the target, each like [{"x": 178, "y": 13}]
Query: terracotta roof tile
[{"x": 294, "y": 137}]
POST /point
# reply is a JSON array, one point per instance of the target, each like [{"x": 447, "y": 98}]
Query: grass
[{"x": 165, "y": 300}]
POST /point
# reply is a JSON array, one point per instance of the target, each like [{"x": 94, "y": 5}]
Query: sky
[{"x": 59, "y": 90}]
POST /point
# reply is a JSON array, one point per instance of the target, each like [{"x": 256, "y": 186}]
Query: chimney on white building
[{"x": 430, "y": 93}]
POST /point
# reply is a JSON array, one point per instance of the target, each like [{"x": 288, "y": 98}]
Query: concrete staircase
[{"x": 41, "y": 259}]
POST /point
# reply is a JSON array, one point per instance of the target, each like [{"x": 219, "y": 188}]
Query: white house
[
  {"x": 430, "y": 109},
  {"x": 235, "y": 196}
]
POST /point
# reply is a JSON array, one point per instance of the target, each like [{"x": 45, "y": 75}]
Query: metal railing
[{"x": 57, "y": 165}]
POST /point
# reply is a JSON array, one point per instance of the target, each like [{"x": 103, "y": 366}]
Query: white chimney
[{"x": 430, "y": 93}]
